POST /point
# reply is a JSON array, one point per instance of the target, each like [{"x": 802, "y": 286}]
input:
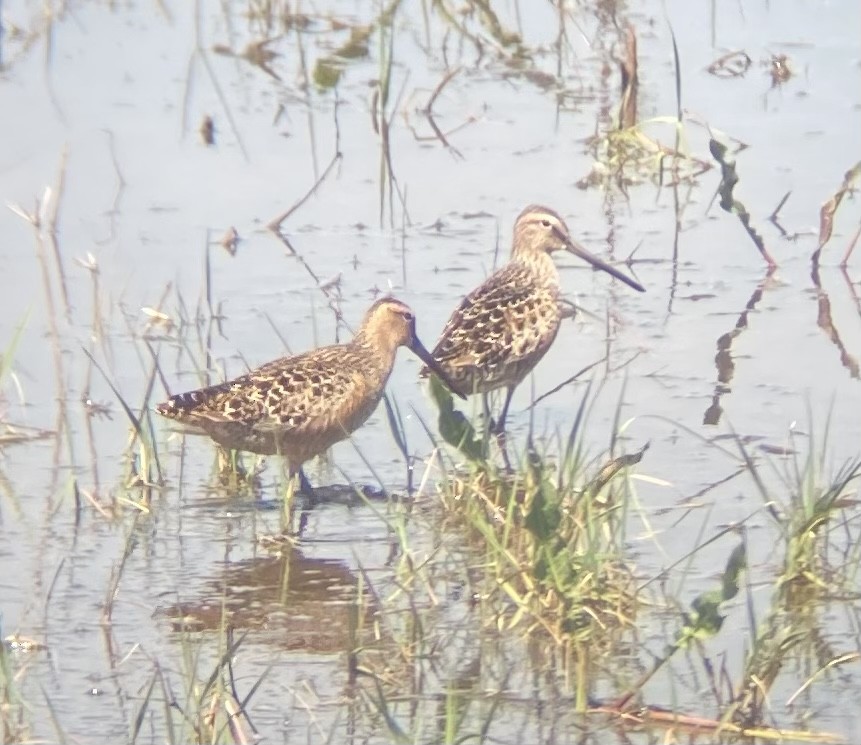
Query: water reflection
[
  {"x": 303, "y": 603},
  {"x": 724, "y": 361},
  {"x": 825, "y": 322}
]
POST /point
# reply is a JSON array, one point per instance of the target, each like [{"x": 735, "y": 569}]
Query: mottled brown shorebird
[
  {"x": 506, "y": 325},
  {"x": 300, "y": 406}
]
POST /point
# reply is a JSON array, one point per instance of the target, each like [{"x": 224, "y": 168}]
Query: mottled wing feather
[
  {"x": 322, "y": 385},
  {"x": 500, "y": 331},
  {"x": 286, "y": 394}
]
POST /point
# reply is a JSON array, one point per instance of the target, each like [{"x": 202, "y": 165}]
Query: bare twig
[
  {"x": 275, "y": 224},
  {"x": 428, "y": 111},
  {"x": 567, "y": 381},
  {"x": 851, "y": 247}
]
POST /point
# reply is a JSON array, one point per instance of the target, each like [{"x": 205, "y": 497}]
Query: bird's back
[{"x": 501, "y": 329}]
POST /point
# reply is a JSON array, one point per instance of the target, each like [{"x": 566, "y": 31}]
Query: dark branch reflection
[
  {"x": 825, "y": 321},
  {"x": 724, "y": 361}
]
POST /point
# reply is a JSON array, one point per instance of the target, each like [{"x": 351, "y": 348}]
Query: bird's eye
[
  {"x": 545, "y": 223},
  {"x": 408, "y": 316}
]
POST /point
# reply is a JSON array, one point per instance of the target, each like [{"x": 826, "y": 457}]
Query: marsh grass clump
[
  {"x": 526, "y": 575},
  {"x": 196, "y": 699},
  {"x": 14, "y": 725},
  {"x": 553, "y": 533},
  {"x": 143, "y": 471},
  {"x": 627, "y": 153},
  {"x": 809, "y": 509},
  {"x": 814, "y": 513},
  {"x": 632, "y": 156},
  {"x": 813, "y": 523}
]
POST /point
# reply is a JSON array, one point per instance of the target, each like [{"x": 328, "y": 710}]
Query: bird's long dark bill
[
  {"x": 578, "y": 250},
  {"x": 419, "y": 350}
]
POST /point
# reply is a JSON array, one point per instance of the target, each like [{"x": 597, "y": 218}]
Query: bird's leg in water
[
  {"x": 497, "y": 428},
  {"x": 305, "y": 487}
]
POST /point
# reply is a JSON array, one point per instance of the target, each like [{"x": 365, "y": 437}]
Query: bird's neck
[
  {"x": 540, "y": 264},
  {"x": 377, "y": 350}
]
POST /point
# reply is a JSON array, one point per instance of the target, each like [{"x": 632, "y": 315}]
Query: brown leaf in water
[
  {"x": 779, "y": 69},
  {"x": 230, "y": 240}
]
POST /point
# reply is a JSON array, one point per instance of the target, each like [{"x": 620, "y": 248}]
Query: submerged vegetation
[{"x": 574, "y": 579}]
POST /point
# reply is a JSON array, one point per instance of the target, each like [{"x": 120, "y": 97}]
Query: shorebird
[
  {"x": 505, "y": 326},
  {"x": 300, "y": 406}
]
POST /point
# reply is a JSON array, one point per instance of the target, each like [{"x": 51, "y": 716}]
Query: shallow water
[{"x": 113, "y": 98}]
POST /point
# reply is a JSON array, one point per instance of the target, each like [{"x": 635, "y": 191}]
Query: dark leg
[
  {"x": 306, "y": 491},
  {"x": 230, "y": 470},
  {"x": 305, "y": 485},
  {"x": 485, "y": 410},
  {"x": 498, "y": 427},
  {"x": 303, "y": 523},
  {"x": 309, "y": 496}
]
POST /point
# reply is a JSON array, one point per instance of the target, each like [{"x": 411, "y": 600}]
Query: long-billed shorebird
[
  {"x": 506, "y": 325},
  {"x": 300, "y": 406}
]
